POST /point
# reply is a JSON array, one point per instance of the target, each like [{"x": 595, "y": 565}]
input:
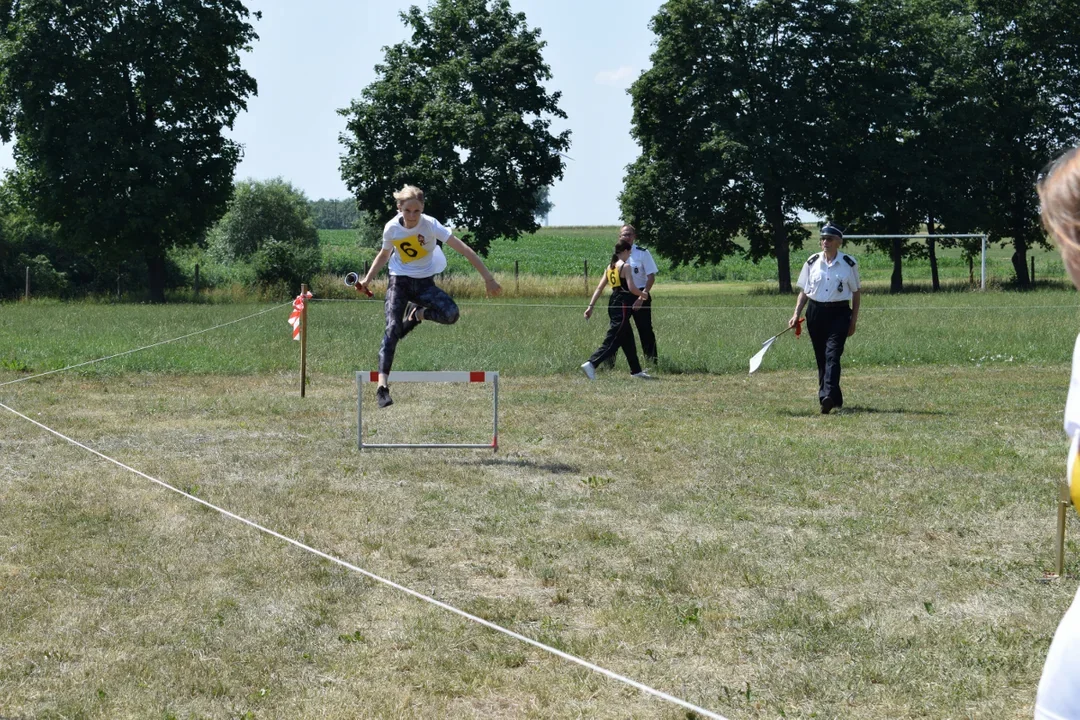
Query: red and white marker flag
[{"x": 298, "y": 309}]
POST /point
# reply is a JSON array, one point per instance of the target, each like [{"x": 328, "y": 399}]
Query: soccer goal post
[
  {"x": 451, "y": 376},
  {"x": 935, "y": 236}
]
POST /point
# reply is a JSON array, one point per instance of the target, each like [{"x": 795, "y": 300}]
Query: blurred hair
[
  {"x": 408, "y": 192},
  {"x": 620, "y": 247},
  {"x": 1059, "y": 193}
]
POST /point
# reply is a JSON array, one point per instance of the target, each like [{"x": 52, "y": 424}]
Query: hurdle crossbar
[{"x": 455, "y": 376}]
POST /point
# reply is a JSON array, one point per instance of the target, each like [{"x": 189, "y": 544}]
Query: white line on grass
[
  {"x": 147, "y": 347},
  {"x": 390, "y": 583}
]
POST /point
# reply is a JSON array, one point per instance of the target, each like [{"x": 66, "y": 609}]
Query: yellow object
[
  {"x": 1072, "y": 477},
  {"x": 412, "y": 248},
  {"x": 613, "y": 277}
]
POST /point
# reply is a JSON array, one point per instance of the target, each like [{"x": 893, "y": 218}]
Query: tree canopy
[
  {"x": 730, "y": 125},
  {"x": 117, "y": 110},
  {"x": 885, "y": 116},
  {"x": 461, "y": 111}
]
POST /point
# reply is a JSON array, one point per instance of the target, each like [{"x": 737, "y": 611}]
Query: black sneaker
[
  {"x": 411, "y": 312},
  {"x": 383, "y": 396},
  {"x": 827, "y": 405}
]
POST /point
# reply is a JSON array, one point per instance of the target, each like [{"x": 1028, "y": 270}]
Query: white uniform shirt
[
  {"x": 641, "y": 266},
  {"x": 1058, "y": 697},
  {"x": 415, "y": 252},
  {"x": 823, "y": 281}
]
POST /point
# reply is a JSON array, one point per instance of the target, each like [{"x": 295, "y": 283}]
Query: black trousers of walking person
[
  {"x": 438, "y": 307},
  {"x": 643, "y": 320},
  {"x": 828, "y": 324},
  {"x": 619, "y": 334}
]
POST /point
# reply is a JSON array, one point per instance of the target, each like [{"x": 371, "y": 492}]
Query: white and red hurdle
[{"x": 452, "y": 376}]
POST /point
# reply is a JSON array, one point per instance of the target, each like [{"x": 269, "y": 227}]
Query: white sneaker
[
  {"x": 644, "y": 375},
  {"x": 590, "y": 371}
]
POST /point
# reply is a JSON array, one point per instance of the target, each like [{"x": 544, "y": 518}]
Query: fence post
[
  {"x": 303, "y": 341},
  {"x": 586, "y": 278},
  {"x": 1033, "y": 271},
  {"x": 196, "y": 279},
  {"x": 27, "y": 297},
  {"x": 516, "y": 285}
]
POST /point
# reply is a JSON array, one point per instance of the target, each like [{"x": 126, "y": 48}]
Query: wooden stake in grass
[{"x": 303, "y": 340}]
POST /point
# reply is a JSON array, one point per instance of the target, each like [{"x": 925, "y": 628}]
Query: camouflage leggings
[{"x": 438, "y": 307}]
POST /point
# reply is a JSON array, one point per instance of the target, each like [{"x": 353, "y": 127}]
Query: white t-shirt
[
  {"x": 1059, "y": 690},
  {"x": 823, "y": 281},
  {"x": 415, "y": 252},
  {"x": 641, "y": 266}
]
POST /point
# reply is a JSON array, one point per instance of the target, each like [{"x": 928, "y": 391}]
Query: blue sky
[{"x": 315, "y": 57}]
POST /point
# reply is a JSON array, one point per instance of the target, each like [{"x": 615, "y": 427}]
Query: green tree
[
  {"x": 117, "y": 109},
  {"x": 335, "y": 214},
  {"x": 731, "y": 127},
  {"x": 461, "y": 111},
  {"x": 543, "y": 203},
  {"x": 1029, "y": 60},
  {"x": 873, "y": 169},
  {"x": 261, "y": 211}
]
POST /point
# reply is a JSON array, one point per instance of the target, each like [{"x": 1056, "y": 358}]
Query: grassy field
[
  {"x": 697, "y": 332},
  {"x": 562, "y": 251},
  {"x": 728, "y": 545}
]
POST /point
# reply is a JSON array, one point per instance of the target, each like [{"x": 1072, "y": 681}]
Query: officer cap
[{"x": 830, "y": 229}]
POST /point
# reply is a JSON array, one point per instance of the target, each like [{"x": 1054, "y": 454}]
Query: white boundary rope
[
  {"x": 147, "y": 347},
  {"x": 572, "y": 306},
  {"x": 390, "y": 583}
]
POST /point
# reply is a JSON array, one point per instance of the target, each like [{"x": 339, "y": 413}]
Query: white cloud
[{"x": 616, "y": 78}]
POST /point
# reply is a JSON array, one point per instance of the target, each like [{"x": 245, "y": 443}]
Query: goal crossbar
[
  {"x": 933, "y": 236},
  {"x": 452, "y": 376}
]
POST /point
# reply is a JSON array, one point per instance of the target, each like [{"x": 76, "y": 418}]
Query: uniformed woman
[
  {"x": 829, "y": 285},
  {"x": 411, "y": 246},
  {"x": 625, "y": 298}
]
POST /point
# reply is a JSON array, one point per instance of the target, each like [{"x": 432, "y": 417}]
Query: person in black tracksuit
[
  {"x": 829, "y": 280},
  {"x": 625, "y": 298}
]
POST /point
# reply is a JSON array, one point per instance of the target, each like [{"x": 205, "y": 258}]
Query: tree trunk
[
  {"x": 155, "y": 265},
  {"x": 896, "y": 283},
  {"x": 1019, "y": 261},
  {"x": 774, "y": 218},
  {"x": 931, "y": 248}
]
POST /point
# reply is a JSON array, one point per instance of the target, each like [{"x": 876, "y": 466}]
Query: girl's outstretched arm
[{"x": 493, "y": 287}]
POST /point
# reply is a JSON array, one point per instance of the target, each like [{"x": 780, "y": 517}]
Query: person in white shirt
[
  {"x": 643, "y": 275},
  {"x": 1058, "y": 696},
  {"x": 411, "y": 244},
  {"x": 827, "y": 282}
]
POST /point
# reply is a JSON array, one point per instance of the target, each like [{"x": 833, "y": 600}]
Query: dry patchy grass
[{"x": 729, "y": 545}]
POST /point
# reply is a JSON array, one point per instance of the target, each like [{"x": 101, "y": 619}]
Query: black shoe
[
  {"x": 383, "y": 396},
  {"x": 411, "y": 312},
  {"x": 827, "y": 405}
]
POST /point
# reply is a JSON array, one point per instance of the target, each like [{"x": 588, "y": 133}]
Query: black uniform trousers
[
  {"x": 828, "y": 324},
  {"x": 438, "y": 307},
  {"x": 643, "y": 320},
  {"x": 619, "y": 334}
]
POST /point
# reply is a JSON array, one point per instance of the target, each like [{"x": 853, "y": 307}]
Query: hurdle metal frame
[{"x": 462, "y": 376}]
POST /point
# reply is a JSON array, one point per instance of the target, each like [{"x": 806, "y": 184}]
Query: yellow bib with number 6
[
  {"x": 613, "y": 277},
  {"x": 412, "y": 248}
]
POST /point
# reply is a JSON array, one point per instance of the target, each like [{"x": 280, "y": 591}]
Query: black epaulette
[
  {"x": 849, "y": 260},
  {"x": 813, "y": 259}
]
